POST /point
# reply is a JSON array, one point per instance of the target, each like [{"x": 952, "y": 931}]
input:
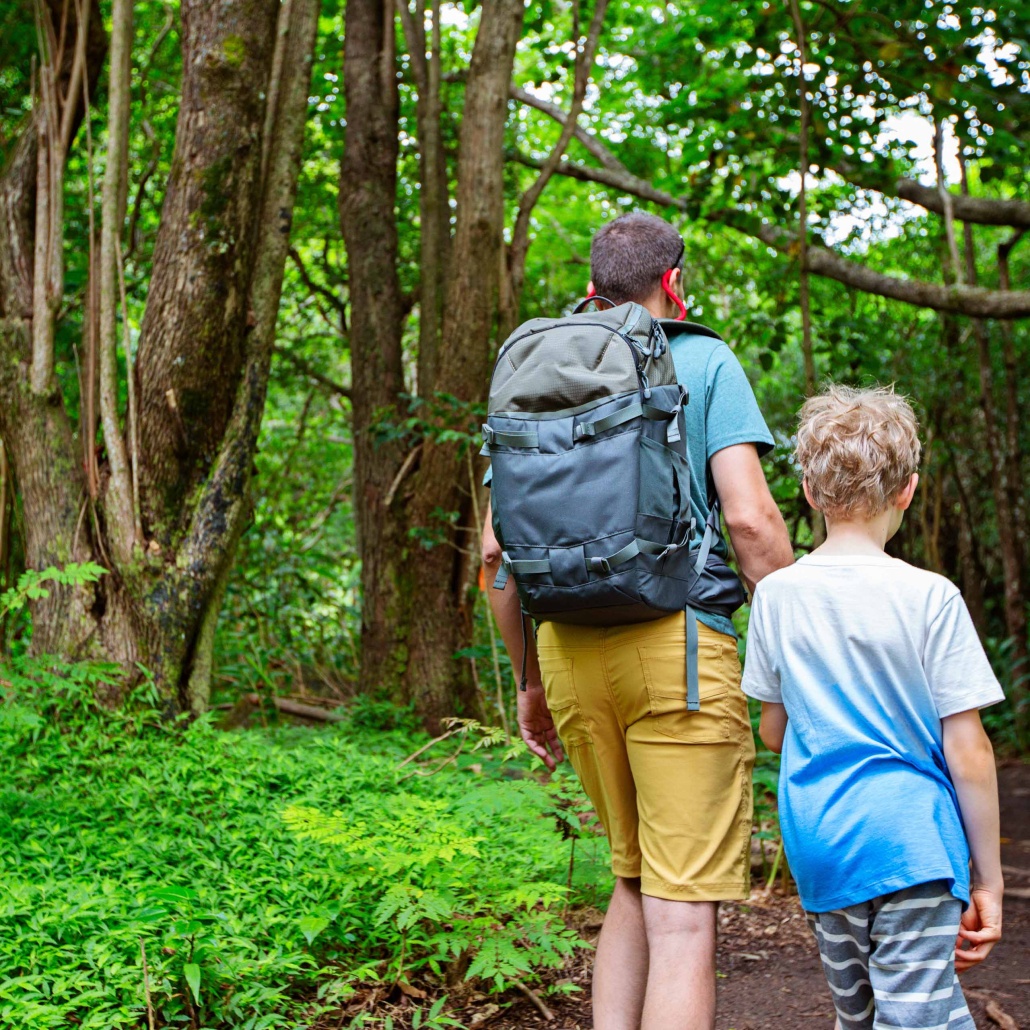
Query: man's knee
[{"x": 663, "y": 918}]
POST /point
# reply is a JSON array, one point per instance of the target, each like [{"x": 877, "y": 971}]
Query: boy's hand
[
  {"x": 980, "y": 928},
  {"x": 537, "y": 726}
]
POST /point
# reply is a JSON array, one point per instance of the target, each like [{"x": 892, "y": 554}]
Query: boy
[{"x": 871, "y": 675}]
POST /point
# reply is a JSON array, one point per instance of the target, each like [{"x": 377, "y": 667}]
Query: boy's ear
[
  {"x": 904, "y": 498},
  {"x": 808, "y": 494}
]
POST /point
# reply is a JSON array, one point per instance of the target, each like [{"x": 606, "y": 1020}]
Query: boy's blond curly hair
[{"x": 857, "y": 449}]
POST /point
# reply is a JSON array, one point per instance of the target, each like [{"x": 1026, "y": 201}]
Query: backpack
[{"x": 590, "y": 479}]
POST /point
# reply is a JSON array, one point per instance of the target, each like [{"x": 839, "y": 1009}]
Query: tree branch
[
  {"x": 323, "y": 291},
  {"x": 976, "y": 302},
  {"x": 520, "y": 232},
  {"x": 979, "y": 210},
  {"x": 306, "y": 369},
  {"x": 585, "y": 136}
]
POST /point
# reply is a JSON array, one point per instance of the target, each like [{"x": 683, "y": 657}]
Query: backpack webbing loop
[
  {"x": 693, "y": 681},
  {"x": 492, "y": 436}
]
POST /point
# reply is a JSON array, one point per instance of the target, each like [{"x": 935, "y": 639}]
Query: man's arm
[
  {"x": 755, "y": 525},
  {"x": 535, "y": 722}
]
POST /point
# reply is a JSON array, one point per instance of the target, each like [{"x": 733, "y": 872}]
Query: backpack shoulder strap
[{"x": 672, "y": 328}]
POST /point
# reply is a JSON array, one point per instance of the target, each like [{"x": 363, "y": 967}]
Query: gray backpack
[{"x": 590, "y": 480}]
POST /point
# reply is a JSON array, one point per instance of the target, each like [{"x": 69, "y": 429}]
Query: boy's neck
[{"x": 857, "y": 536}]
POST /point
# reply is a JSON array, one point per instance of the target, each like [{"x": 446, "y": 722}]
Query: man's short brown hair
[
  {"x": 857, "y": 449},
  {"x": 629, "y": 256}
]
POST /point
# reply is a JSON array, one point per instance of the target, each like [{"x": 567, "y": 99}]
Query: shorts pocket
[
  {"x": 665, "y": 675},
  {"x": 560, "y": 691}
]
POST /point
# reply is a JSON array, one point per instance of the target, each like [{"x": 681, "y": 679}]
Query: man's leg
[
  {"x": 681, "y": 971},
  {"x": 620, "y": 968}
]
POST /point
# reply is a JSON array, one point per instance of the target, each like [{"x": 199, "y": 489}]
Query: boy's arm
[
  {"x": 535, "y": 722},
  {"x": 970, "y": 758},
  {"x": 773, "y": 726}
]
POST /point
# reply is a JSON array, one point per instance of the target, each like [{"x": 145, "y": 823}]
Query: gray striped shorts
[{"x": 890, "y": 962}]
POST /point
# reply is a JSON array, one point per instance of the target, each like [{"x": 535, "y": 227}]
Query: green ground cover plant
[{"x": 253, "y": 878}]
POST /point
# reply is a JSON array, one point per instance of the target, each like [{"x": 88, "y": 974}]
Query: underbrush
[{"x": 256, "y": 878}]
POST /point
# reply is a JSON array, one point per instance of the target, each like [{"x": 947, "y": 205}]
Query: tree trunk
[
  {"x": 368, "y": 186},
  {"x": 442, "y": 619},
  {"x": 412, "y": 496},
  {"x": 203, "y": 358}
]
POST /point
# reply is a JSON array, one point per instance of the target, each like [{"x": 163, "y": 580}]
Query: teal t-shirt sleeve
[{"x": 731, "y": 411}]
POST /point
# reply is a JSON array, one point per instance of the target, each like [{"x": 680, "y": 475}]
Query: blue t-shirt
[
  {"x": 868, "y": 654},
  {"x": 721, "y": 412}
]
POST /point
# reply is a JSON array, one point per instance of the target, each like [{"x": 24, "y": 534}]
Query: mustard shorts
[{"x": 672, "y": 788}]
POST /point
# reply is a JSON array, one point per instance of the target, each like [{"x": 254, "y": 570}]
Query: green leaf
[
  {"x": 192, "y": 973},
  {"x": 311, "y": 926}
]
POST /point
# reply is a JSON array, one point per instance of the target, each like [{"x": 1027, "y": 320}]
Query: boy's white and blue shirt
[{"x": 868, "y": 654}]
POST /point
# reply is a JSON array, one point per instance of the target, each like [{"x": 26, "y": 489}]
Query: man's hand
[
  {"x": 980, "y": 927},
  {"x": 537, "y": 726}
]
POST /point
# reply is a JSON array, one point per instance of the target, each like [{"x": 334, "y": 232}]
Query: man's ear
[
  {"x": 676, "y": 281},
  {"x": 590, "y": 288}
]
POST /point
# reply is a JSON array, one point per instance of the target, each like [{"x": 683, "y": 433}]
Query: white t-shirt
[{"x": 868, "y": 654}]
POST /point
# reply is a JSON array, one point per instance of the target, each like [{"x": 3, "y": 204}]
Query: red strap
[{"x": 671, "y": 294}]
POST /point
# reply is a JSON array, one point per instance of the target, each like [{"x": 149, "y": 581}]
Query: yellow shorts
[{"x": 672, "y": 788}]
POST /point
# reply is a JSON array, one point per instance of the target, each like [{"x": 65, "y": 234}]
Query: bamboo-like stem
[
  {"x": 42, "y": 314},
  {"x": 130, "y": 379},
  {"x": 89, "y": 417},
  {"x": 118, "y": 502}
]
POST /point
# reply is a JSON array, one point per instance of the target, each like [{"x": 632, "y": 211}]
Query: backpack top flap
[{"x": 553, "y": 364}]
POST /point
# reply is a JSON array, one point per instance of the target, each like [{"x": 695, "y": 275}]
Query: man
[{"x": 672, "y": 788}]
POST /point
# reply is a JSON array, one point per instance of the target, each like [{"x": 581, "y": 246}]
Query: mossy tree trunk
[{"x": 203, "y": 357}]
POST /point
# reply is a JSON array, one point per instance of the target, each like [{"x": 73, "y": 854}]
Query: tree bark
[
  {"x": 193, "y": 344},
  {"x": 118, "y": 501},
  {"x": 34, "y": 425},
  {"x": 413, "y": 506},
  {"x": 368, "y": 186},
  {"x": 434, "y": 197},
  {"x": 211, "y": 312},
  {"x": 442, "y": 618}
]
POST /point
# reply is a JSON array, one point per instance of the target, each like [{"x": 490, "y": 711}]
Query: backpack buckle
[
  {"x": 582, "y": 430},
  {"x": 600, "y": 565},
  {"x": 488, "y": 436}
]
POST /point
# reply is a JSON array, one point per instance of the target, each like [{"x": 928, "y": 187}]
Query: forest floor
[{"x": 768, "y": 966}]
